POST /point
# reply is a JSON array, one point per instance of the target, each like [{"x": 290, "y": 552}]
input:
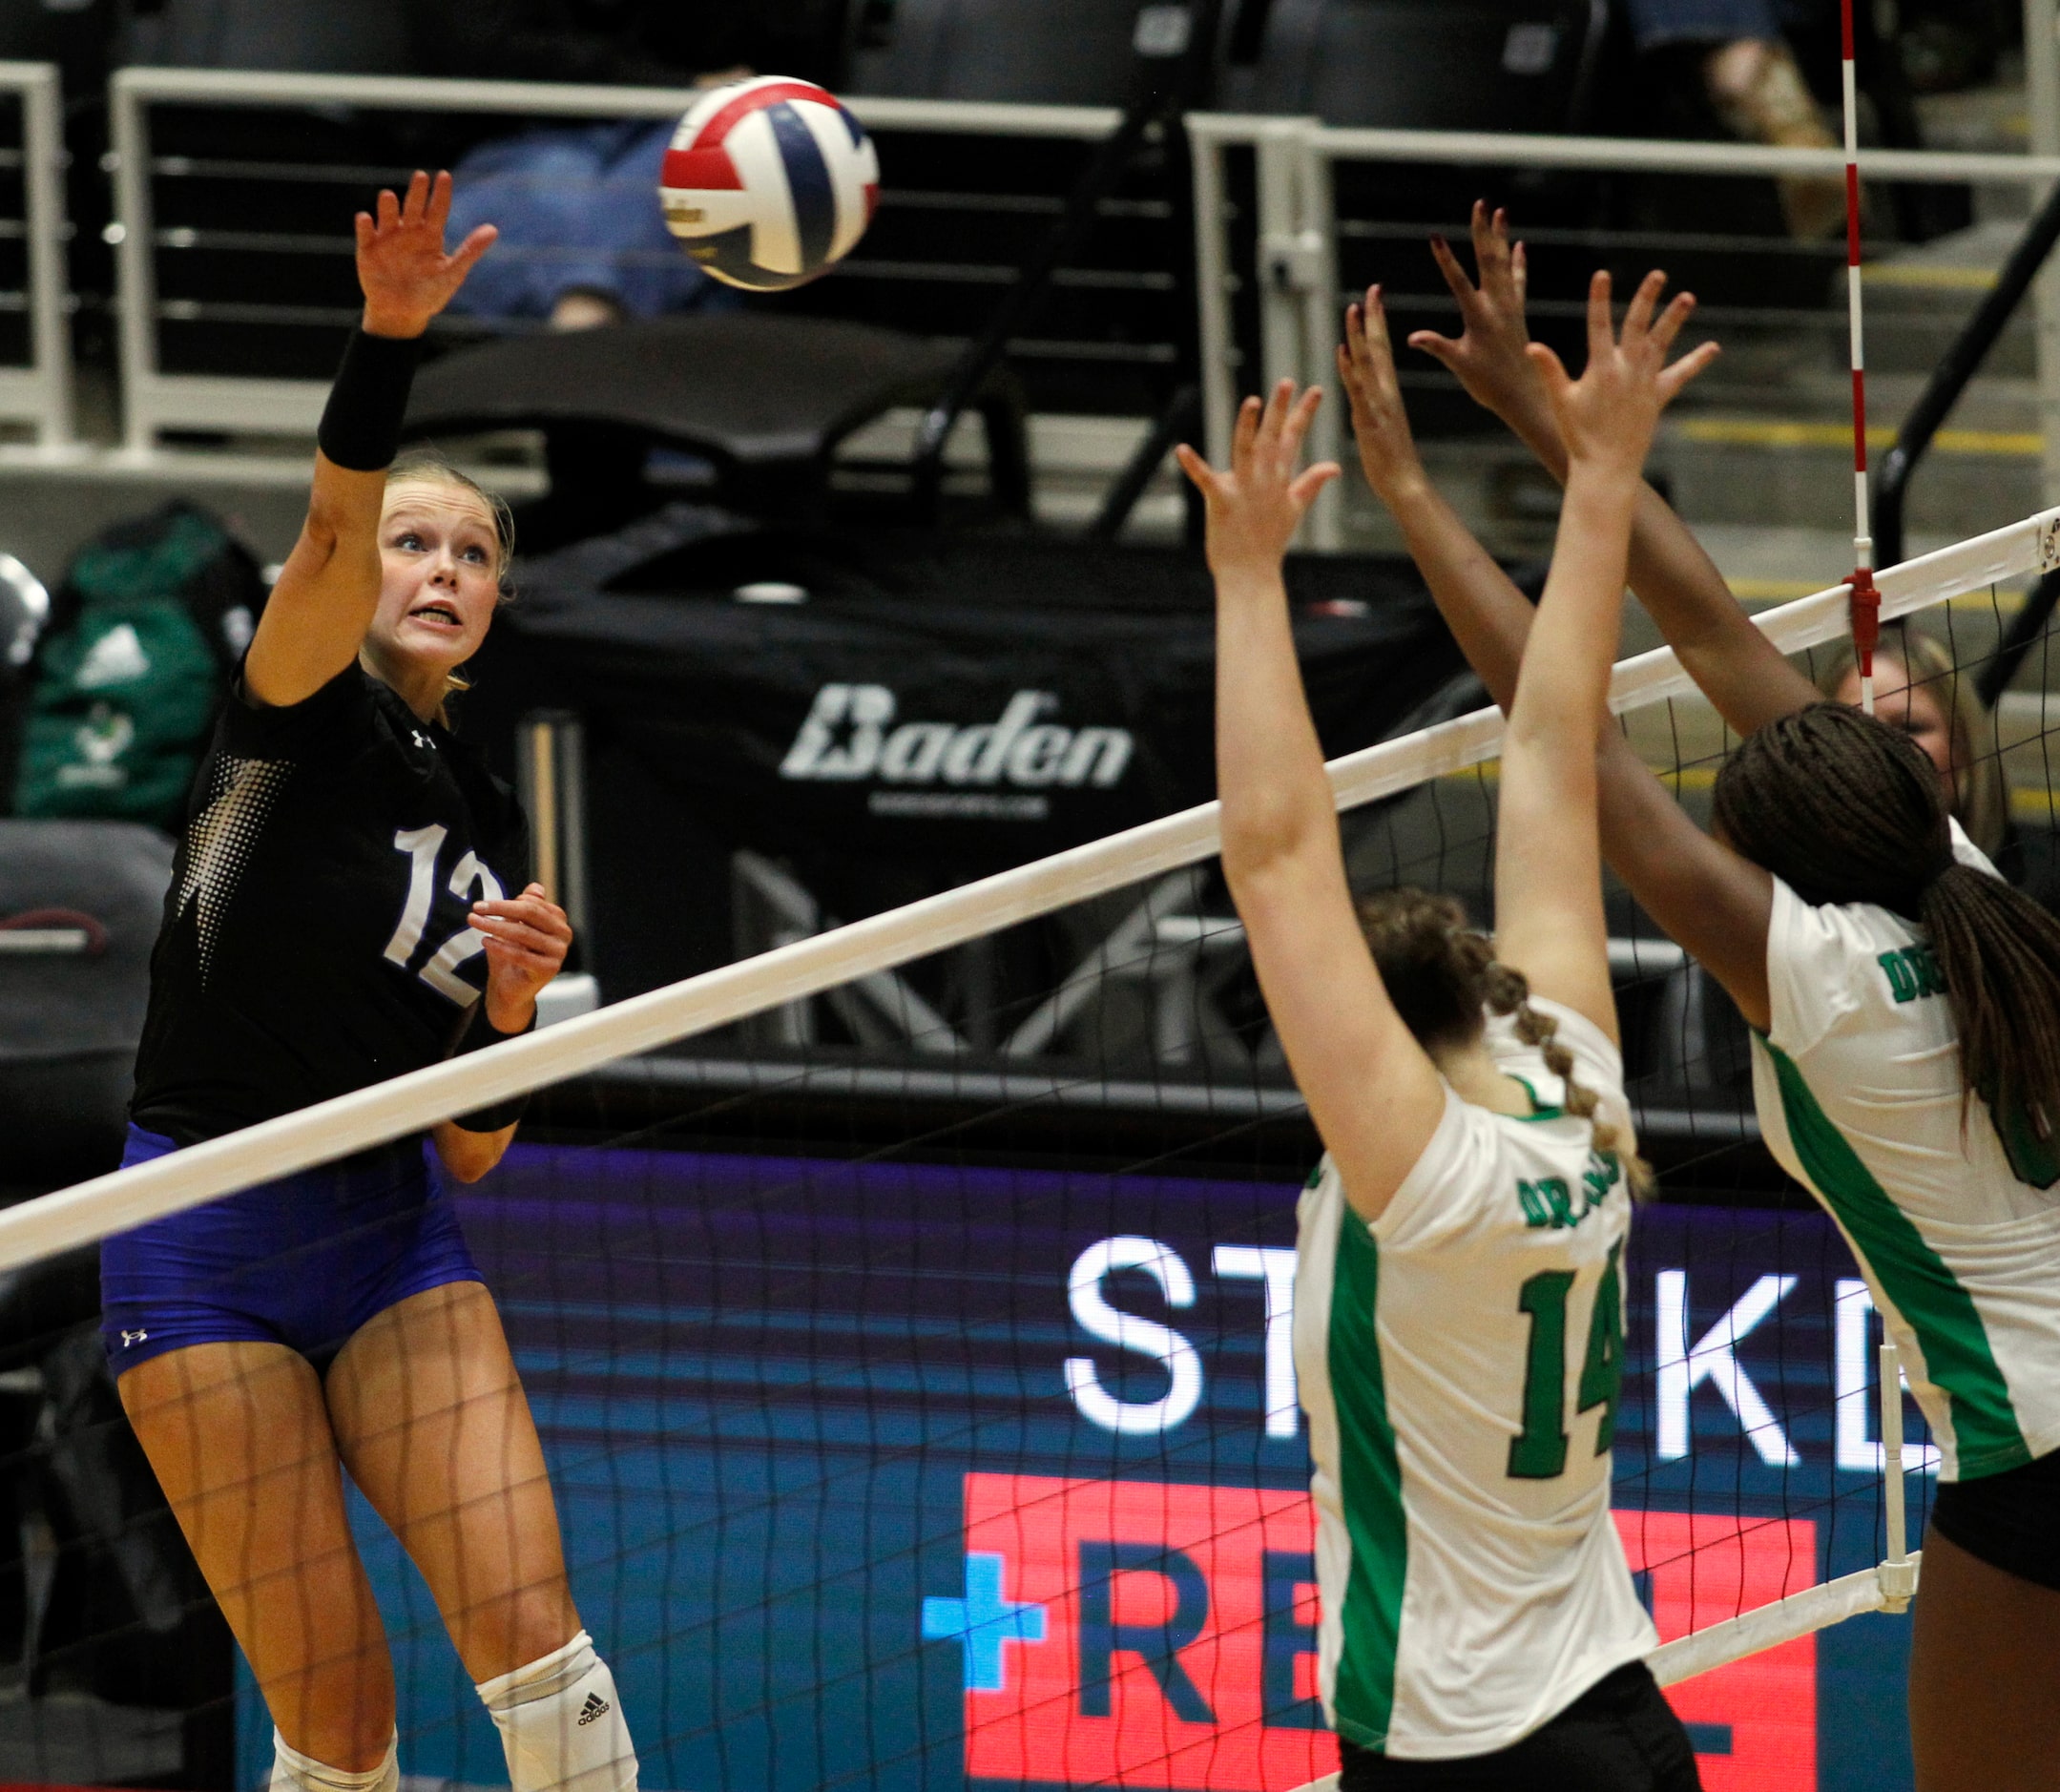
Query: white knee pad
[
  {"x": 561, "y": 1723},
  {"x": 295, "y": 1772}
]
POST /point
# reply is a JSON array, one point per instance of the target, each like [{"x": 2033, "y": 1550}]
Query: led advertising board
[{"x": 944, "y": 1476}]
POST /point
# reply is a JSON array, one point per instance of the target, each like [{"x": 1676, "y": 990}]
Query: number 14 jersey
[
  {"x": 1460, "y": 1361},
  {"x": 314, "y": 938}
]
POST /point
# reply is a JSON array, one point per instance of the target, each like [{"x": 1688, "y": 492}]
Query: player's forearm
[
  {"x": 1270, "y": 776},
  {"x": 1682, "y": 591},
  {"x": 469, "y": 1155},
  {"x": 1740, "y": 671},
  {"x": 1572, "y": 645},
  {"x": 1488, "y": 617}
]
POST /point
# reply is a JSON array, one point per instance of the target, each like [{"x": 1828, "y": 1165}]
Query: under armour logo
[
  {"x": 422, "y": 740},
  {"x": 595, "y": 1707},
  {"x": 130, "y": 1339}
]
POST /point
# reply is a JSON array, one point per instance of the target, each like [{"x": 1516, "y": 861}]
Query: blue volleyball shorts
[{"x": 305, "y": 1261}]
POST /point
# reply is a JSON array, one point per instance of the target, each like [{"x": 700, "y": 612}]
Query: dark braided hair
[
  {"x": 1442, "y": 973},
  {"x": 1843, "y": 809}
]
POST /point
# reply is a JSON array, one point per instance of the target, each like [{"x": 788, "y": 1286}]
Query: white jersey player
[
  {"x": 1905, "y": 1004},
  {"x": 1458, "y": 1312}
]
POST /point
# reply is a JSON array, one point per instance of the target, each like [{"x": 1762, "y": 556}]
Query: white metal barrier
[
  {"x": 1301, "y": 303},
  {"x": 39, "y": 393},
  {"x": 155, "y": 401}
]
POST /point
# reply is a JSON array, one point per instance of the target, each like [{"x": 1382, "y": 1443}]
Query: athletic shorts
[
  {"x": 1619, "y": 1735},
  {"x": 303, "y": 1262},
  {"x": 2010, "y": 1520}
]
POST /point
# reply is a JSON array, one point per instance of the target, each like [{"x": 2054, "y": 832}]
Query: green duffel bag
[{"x": 144, "y": 634}]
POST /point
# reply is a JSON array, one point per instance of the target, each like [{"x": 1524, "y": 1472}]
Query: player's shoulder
[
  {"x": 342, "y": 714},
  {"x": 1486, "y": 1173},
  {"x": 1836, "y": 967}
]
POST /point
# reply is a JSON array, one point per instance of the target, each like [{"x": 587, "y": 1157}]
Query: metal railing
[
  {"x": 155, "y": 401},
  {"x": 1288, "y": 233},
  {"x": 1295, "y": 234},
  {"x": 36, "y": 389}
]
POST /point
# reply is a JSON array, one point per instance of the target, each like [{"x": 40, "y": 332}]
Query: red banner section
[
  {"x": 1753, "y": 1723},
  {"x": 1146, "y": 1634}
]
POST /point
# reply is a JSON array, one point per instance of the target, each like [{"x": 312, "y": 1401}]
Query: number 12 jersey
[
  {"x": 314, "y": 937},
  {"x": 1460, "y": 1361}
]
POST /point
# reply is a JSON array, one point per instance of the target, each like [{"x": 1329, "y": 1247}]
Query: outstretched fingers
[
  {"x": 1673, "y": 321},
  {"x": 1366, "y": 357},
  {"x": 1491, "y": 253},
  {"x": 483, "y": 237},
  {"x": 1455, "y": 276},
  {"x": 1639, "y": 315},
  {"x": 1302, "y": 494},
  {"x": 415, "y": 207},
  {"x": 1673, "y": 378},
  {"x": 1243, "y": 435},
  {"x": 1601, "y": 329},
  {"x": 1295, "y": 422},
  {"x": 1202, "y": 476}
]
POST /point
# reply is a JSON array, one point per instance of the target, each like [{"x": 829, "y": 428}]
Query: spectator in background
[
  {"x": 583, "y": 241},
  {"x": 1752, "y": 82},
  {"x": 1918, "y": 690}
]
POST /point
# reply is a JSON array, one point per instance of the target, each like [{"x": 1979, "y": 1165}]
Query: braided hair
[
  {"x": 1843, "y": 809},
  {"x": 1441, "y": 974}
]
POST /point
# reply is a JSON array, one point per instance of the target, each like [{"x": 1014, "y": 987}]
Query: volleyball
[{"x": 769, "y": 182}]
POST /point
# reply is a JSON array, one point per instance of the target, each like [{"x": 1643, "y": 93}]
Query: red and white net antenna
[{"x": 1866, "y": 601}]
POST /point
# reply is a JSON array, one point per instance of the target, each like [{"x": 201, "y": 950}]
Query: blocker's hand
[
  {"x": 1256, "y": 508},
  {"x": 407, "y": 276},
  {"x": 1380, "y": 423},
  {"x": 1607, "y": 416},
  {"x": 1488, "y": 358},
  {"x": 527, "y": 939}
]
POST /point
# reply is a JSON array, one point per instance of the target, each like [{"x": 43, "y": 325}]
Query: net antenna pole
[
  {"x": 1898, "y": 1571},
  {"x": 1866, "y": 601}
]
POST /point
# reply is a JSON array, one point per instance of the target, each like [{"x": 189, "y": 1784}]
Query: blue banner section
[{"x": 773, "y": 1389}]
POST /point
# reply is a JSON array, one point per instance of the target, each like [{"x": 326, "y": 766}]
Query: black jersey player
[{"x": 349, "y": 904}]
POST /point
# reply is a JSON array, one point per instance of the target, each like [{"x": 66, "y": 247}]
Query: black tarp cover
[{"x": 937, "y": 709}]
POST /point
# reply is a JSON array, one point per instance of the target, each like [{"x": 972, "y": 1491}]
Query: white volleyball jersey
[
  {"x": 1460, "y": 1361},
  {"x": 1857, "y": 1086}
]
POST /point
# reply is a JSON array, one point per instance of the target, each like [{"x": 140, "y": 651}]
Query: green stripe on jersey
[
  {"x": 1957, "y": 1355},
  {"x": 1364, "y": 1692}
]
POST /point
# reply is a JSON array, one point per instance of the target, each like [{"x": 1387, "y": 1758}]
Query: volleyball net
[{"x": 905, "y": 1309}]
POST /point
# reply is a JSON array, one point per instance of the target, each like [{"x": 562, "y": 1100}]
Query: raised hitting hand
[
  {"x": 1380, "y": 423},
  {"x": 1607, "y": 416},
  {"x": 407, "y": 276},
  {"x": 1256, "y": 508}
]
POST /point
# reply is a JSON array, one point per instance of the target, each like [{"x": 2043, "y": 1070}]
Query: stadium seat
[
  {"x": 79, "y": 908},
  {"x": 1073, "y": 52},
  {"x": 766, "y": 400},
  {"x": 1446, "y": 65}
]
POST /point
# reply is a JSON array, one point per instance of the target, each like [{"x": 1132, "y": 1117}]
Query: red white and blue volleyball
[{"x": 769, "y": 182}]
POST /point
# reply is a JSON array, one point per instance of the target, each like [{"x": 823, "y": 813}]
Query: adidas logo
[
  {"x": 116, "y": 658},
  {"x": 595, "y": 1707}
]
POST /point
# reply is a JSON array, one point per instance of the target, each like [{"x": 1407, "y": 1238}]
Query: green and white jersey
[
  {"x": 1460, "y": 1361},
  {"x": 1858, "y": 1087}
]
